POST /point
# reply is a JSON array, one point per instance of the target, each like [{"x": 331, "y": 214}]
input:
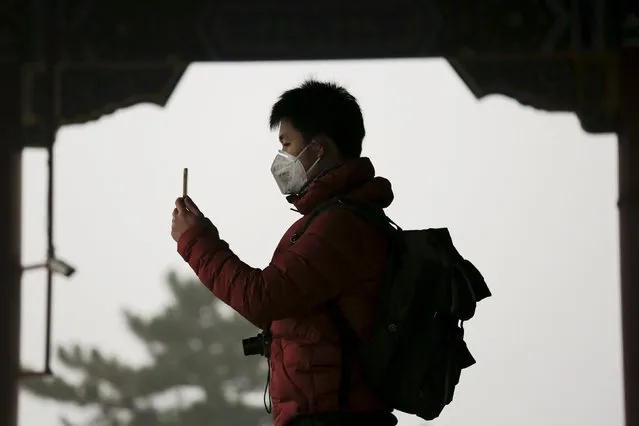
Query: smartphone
[{"x": 185, "y": 182}]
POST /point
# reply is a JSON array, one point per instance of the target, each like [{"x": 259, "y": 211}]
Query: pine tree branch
[
  {"x": 190, "y": 344},
  {"x": 53, "y": 388},
  {"x": 98, "y": 367},
  {"x": 66, "y": 422}
]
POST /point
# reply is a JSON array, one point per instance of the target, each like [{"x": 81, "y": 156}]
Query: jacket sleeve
[{"x": 308, "y": 273}]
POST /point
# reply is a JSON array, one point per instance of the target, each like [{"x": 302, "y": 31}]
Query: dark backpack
[{"x": 416, "y": 353}]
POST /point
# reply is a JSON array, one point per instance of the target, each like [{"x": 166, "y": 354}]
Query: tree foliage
[{"x": 194, "y": 350}]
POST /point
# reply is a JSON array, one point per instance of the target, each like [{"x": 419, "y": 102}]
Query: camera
[{"x": 257, "y": 345}]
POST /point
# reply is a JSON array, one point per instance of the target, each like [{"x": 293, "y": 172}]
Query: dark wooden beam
[
  {"x": 10, "y": 266},
  {"x": 239, "y": 30},
  {"x": 629, "y": 227},
  {"x": 111, "y": 55},
  {"x": 581, "y": 83}
]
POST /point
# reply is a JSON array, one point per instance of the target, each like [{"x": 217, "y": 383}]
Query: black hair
[{"x": 321, "y": 108}]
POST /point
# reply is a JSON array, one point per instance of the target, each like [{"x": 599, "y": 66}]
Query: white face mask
[{"x": 289, "y": 172}]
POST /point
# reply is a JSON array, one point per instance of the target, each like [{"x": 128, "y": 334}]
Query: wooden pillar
[
  {"x": 10, "y": 264},
  {"x": 629, "y": 226}
]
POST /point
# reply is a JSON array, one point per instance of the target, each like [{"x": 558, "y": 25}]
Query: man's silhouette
[{"x": 340, "y": 257}]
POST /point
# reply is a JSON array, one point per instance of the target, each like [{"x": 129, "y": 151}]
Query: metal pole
[
  {"x": 10, "y": 262},
  {"x": 50, "y": 254},
  {"x": 629, "y": 226},
  {"x": 46, "y": 19}
]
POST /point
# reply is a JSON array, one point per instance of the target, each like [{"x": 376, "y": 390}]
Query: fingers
[
  {"x": 191, "y": 206},
  {"x": 185, "y": 205},
  {"x": 185, "y": 215},
  {"x": 180, "y": 206}
]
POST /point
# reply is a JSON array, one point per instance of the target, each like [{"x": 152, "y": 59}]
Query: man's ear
[{"x": 321, "y": 146}]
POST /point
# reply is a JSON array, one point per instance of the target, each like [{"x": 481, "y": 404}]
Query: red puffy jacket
[{"x": 339, "y": 256}]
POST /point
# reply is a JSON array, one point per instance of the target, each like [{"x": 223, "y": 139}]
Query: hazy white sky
[{"x": 528, "y": 197}]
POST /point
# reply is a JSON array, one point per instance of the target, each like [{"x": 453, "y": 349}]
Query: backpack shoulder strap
[
  {"x": 362, "y": 209},
  {"x": 347, "y": 341},
  {"x": 347, "y": 335},
  {"x": 328, "y": 205}
]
